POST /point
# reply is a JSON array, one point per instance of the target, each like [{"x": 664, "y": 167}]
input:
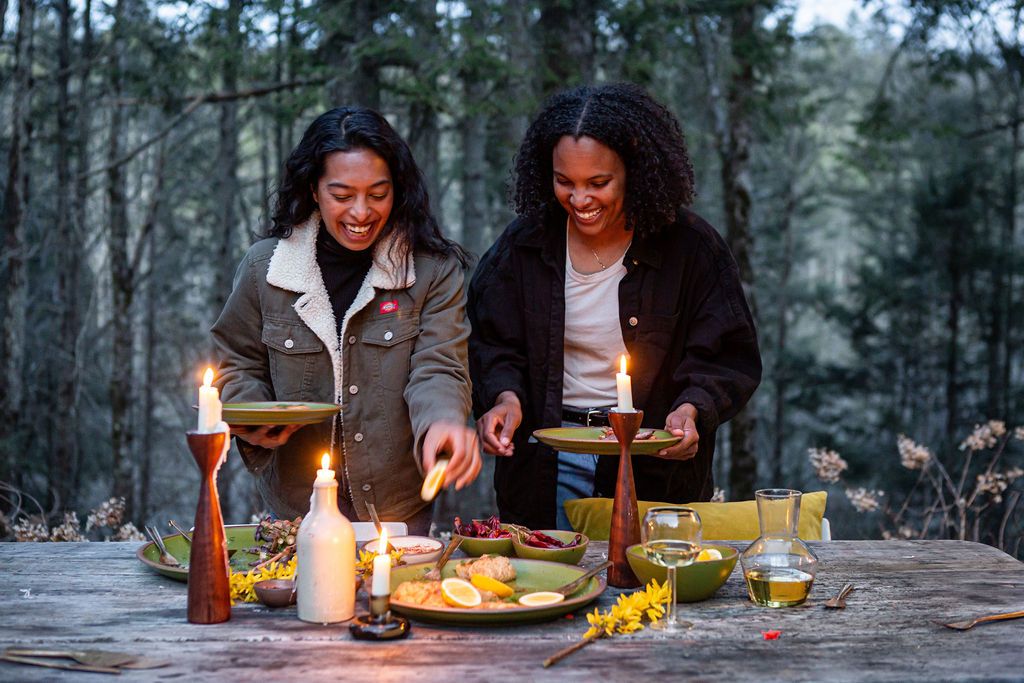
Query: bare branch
[{"x": 217, "y": 96}]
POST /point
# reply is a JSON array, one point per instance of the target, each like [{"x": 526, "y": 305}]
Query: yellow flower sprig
[
  {"x": 242, "y": 583},
  {"x": 625, "y": 616},
  {"x": 364, "y": 565}
]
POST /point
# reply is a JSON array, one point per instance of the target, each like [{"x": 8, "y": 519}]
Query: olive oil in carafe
[{"x": 778, "y": 586}]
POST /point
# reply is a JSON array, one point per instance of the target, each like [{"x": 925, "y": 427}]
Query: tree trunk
[
  {"x": 13, "y": 219},
  {"x": 476, "y": 228},
  {"x": 121, "y": 375},
  {"x": 567, "y": 29},
  {"x": 522, "y": 54},
  {"x": 350, "y": 26},
  {"x": 781, "y": 337},
  {"x": 953, "y": 327}
]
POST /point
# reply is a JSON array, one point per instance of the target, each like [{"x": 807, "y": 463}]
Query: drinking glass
[{"x": 671, "y": 538}]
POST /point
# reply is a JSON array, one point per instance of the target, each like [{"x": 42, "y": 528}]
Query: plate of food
[
  {"x": 262, "y": 413},
  {"x": 490, "y": 590},
  {"x": 602, "y": 441}
]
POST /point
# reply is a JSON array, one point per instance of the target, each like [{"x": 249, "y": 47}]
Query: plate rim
[{"x": 645, "y": 447}]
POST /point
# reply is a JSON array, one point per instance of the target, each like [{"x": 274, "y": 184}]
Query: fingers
[
  {"x": 429, "y": 451},
  {"x": 471, "y": 455},
  {"x": 687, "y": 446},
  {"x": 488, "y": 428}
]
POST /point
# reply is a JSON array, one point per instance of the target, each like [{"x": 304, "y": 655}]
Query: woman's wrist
[{"x": 508, "y": 397}]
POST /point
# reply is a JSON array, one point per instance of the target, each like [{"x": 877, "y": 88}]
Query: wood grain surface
[{"x": 98, "y": 596}]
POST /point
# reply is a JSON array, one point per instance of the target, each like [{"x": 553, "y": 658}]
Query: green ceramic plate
[
  {"x": 277, "y": 413},
  {"x": 588, "y": 440},
  {"x": 694, "y": 582},
  {"x": 239, "y": 539},
  {"x": 531, "y": 575}
]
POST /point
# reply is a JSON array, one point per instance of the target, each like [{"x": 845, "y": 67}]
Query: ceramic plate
[
  {"x": 277, "y": 413},
  {"x": 240, "y": 537},
  {"x": 531, "y": 575},
  {"x": 588, "y": 440}
]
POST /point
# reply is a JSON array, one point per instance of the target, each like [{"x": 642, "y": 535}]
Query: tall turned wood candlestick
[
  {"x": 625, "y": 528},
  {"x": 209, "y": 586}
]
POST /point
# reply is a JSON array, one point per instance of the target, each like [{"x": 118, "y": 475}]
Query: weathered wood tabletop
[{"x": 97, "y": 595}]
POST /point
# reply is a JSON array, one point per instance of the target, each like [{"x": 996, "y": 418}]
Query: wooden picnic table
[{"x": 98, "y": 596}]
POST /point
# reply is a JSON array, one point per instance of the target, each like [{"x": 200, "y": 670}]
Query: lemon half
[
  {"x": 541, "y": 599},
  {"x": 433, "y": 481},
  {"x": 709, "y": 554},
  {"x": 486, "y": 583},
  {"x": 460, "y": 593}
]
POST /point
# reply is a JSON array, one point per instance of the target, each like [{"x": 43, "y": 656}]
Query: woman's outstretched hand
[
  {"x": 497, "y": 426},
  {"x": 457, "y": 441},
  {"x": 682, "y": 422},
  {"x": 267, "y": 436}
]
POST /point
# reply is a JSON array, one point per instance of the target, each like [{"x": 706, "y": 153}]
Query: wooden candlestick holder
[
  {"x": 209, "y": 585},
  {"x": 625, "y": 527}
]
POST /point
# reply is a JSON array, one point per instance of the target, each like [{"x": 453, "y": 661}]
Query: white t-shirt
[{"x": 593, "y": 336}]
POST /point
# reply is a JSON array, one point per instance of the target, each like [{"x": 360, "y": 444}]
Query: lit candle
[
  {"x": 624, "y": 388},
  {"x": 209, "y": 405},
  {"x": 325, "y": 474},
  {"x": 381, "y": 567}
]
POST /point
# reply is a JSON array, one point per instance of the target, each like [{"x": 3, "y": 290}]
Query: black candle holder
[{"x": 380, "y": 623}]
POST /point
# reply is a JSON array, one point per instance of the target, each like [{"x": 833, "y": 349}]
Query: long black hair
[
  {"x": 622, "y": 116},
  {"x": 350, "y": 128}
]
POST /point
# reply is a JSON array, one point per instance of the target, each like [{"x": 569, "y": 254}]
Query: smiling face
[
  {"x": 355, "y": 196},
  {"x": 590, "y": 184}
]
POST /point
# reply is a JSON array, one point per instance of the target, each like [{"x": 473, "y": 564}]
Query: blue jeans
[{"x": 575, "y": 480}]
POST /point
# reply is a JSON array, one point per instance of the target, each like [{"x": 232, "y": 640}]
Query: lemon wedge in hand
[
  {"x": 460, "y": 593},
  {"x": 434, "y": 480},
  {"x": 541, "y": 599},
  {"x": 709, "y": 554},
  {"x": 486, "y": 583}
]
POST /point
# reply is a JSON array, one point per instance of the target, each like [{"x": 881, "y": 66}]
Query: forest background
[{"x": 865, "y": 176}]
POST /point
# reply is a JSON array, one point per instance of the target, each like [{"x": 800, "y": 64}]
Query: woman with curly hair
[
  {"x": 356, "y": 299},
  {"x": 605, "y": 259}
]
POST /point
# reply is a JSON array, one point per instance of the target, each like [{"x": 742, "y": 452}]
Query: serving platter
[
  {"x": 531, "y": 576},
  {"x": 588, "y": 440},
  {"x": 275, "y": 413}
]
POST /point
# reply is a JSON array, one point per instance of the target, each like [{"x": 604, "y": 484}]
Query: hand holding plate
[
  {"x": 267, "y": 436},
  {"x": 682, "y": 422}
]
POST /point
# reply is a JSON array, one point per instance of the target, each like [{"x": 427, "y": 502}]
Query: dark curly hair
[
  {"x": 342, "y": 130},
  {"x": 643, "y": 132}
]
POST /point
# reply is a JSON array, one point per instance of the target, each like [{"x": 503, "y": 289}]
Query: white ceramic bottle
[{"x": 326, "y": 546}]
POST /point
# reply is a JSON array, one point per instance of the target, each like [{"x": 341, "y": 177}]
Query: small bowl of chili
[
  {"x": 484, "y": 537},
  {"x": 567, "y": 547}
]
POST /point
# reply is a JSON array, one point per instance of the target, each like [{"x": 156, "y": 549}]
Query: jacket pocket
[
  {"x": 292, "y": 348},
  {"x": 391, "y": 343}
]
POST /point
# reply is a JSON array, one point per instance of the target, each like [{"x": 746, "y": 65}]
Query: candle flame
[
  {"x": 382, "y": 544},
  {"x": 622, "y": 364},
  {"x": 325, "y": 462},
  {"x": 208, "y": 377}
]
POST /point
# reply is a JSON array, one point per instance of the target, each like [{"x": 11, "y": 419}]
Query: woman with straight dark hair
[
  {"x": 355, "y": 298},
  {"x": 605, "y": 259}
]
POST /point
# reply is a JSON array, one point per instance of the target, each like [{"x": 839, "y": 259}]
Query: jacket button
[
  {"x": 358, "y": 437},
  {"x": 352, "y": 339},
  {"x": 633, "y": 321},
  {"x": 367, "y": 487},
  {"x": 288, "y": 343},
  {"x": 353, "y": 389},
  {"x": 388, "y": 335}
]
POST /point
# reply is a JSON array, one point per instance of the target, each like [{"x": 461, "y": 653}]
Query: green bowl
[
  {"x": 571, "y": 555},
  {"x": 695, "y": 582},
  {"x": 475, "y": 547}
]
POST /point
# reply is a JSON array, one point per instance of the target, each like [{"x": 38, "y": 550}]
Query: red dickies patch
[{"x": 389, "y": 306}]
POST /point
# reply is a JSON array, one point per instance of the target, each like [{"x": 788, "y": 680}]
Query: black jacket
[{"x": 686, "y": 326}]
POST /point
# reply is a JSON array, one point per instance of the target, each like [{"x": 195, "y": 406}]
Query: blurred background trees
[{"x": 864, "y": 175}]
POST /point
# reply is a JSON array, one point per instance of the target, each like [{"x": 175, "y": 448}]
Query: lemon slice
[
  {"x": 460, "y": 593},
  {"x": 709, "y": 554},
  {"x": 486, "y": 583},
  {"x": 433, "y": 481},
  {"x": 541, "y": 599}
]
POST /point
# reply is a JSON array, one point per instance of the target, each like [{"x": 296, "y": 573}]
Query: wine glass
[{"x": 671, "y": 538}]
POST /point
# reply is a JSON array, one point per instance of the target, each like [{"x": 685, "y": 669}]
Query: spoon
[
  {"x": 372, "y": 509},
  {"x": 174, "y": 525},
  {"x": 971, "y": 623},
  {"x": 435, "y": 573},
  {"x": 839, "y": 601},
  {"x": 165, "y": 557}
]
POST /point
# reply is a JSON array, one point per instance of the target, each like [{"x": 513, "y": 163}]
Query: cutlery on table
[
  {"x": 839, "y": 601},
  {"x": 165, "y": 557},
  {"x": 971, "y": 623},
  {"x": 570, "y": 588},
  {"x": 184, "y": 534},
  {"x": 435, "y": 573},
  {"x": 372, "y": 509}
]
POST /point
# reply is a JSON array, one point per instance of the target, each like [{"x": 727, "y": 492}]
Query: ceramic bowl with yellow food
[{"x": 694, "y": 582}]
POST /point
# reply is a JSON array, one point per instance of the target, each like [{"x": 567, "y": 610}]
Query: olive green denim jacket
[{"x": 398, "y": 366}]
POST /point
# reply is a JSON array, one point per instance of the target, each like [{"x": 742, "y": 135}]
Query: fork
[
  {"x": 839, "y": 601},
  {"x": 435, "y": 573},
  {"x": 165, "y": 557},
  {"x": 971, "y": 623}
]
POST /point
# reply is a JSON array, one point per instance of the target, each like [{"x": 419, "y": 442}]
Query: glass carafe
[{"x": 779, "y": 568}]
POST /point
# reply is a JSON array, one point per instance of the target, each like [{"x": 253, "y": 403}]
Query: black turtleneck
[{"x": 343, "y": 271}]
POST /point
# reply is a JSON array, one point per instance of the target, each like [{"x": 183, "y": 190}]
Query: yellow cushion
[{"x": 720, "y": 521}]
